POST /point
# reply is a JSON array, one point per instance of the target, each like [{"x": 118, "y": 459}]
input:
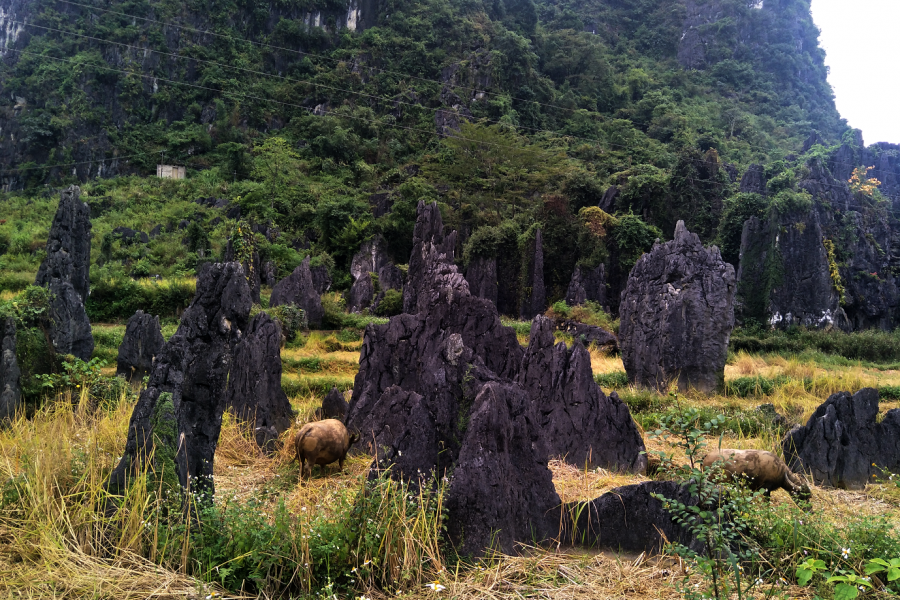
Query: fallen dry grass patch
[{"x": 581, "y": 484}]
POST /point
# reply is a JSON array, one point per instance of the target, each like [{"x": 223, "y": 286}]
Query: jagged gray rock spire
[
  {"x": 372, "y": 258},
  {"x": 10, "y": 390},
  {"x": 534, "y": 296},
  {"x": 182, "y": 406},
  {"x": 66, "y": 273},
  {"x": 298, "y": 289},
  {"x": 69, "y": 245},
  {"x": 579, "y": 422},
  {"x": 676, "y": 315},
  {"x": 438, "y": 393},
  {"x": 254, "y": 387},
  {"x": 142, "y": 342},
  {"x": 843, "y": 445},
  {"x": 587, "y": 284}
]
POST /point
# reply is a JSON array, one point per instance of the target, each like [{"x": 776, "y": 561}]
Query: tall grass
[{"x": 64, "y": 536}]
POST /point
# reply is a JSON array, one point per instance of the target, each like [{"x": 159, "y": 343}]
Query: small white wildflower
[
  {"x": 845, "y": 553},
  {"x": 437, "y": 587}
]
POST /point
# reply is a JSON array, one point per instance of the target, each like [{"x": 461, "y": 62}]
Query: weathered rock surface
[
  {"x": 252, "y": 268},
  {"x": 579, "y": 422},
  {"x": 321, "y": 279},
  {"x": 829, "y": 265},
  {"x": 298, "y": 289},
  {"x": 608, "y": 201},
  {"x": 65, "y": 272},
  {"x": 438, "y": 392},
  {"x": 429, "y": 232},
  {"x": 10, "y": 389},
  {"x": 142, "y": 342},
  {"x": 754, "y": 180},
  {"x": 677, "y": 314},
  {"x": 69, "y": 245},
  {"x": 254, "y": 387},
  {"x": 587, "y": 284},
  {"x": 70, "y": 330},
  {"x": 371, "y": 258},
  {"x": 190, "y": 373},
  {"x": 629, "y": 518},
  {"x": 843, "y": 445},
  {"x": 334, "y": 406},
  {"x": 534, "y": 296},
  {"x": 482, "y": 278}
]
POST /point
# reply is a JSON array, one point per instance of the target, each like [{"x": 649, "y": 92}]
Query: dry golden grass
[
  {"x": 59, "y": 542},
  {"x": 574, "y": 484}
]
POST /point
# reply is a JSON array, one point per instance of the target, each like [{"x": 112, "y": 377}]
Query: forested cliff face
[{"x": 599, "y": 123}]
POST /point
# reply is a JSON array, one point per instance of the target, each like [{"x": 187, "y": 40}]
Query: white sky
[{"x": 861, "y": 39}]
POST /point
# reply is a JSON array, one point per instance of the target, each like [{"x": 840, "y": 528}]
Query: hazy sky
[{"x": 861, "y": 39}]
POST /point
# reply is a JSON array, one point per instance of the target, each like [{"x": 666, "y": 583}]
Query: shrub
[
  {"x": 391, "y": 304},
  {"x": 119, "y": 298},
  {"x": 589, "y": 313},
  {"x": 616, "y": 379},
  {"x": 869, "y": 345}
]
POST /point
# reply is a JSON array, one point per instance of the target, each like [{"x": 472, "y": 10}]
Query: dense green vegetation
[{"x": 564, "y": 100}]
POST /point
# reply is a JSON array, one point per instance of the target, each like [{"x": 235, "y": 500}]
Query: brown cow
[
  {"x": 322, "y": 443},
  {"x": 763, "y": 470}
]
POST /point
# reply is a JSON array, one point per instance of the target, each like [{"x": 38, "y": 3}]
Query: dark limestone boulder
[
  {"x": 501, "y": 490},
  {"x": 439, "y": 394},
  {"x": 446, "y": 412},
  {"x": 429, "y": 231},
  {"x": 629, "y": 518},
  {"x": 142, "y": 342},
  {"x": 843, "y": 445},
  {"x": 267, "y": 274},
  {"x": 534, "y": 296},
  {"x": 334, "y": 406},
  {"x": 587, "y": 284},
  {"x": 10, "y": 389},
  {"x": 187, "y": 385},
  {"x": 590, "y": 334},
  {"x": 65, "y": 272},
  {"x": 580, "y": 423},
  {"x": 372, "y": 258},
  {"x": 298, "y": 289},
  {"x": 321, "y": 279},
  {"x": 608, "y": 201},
  {"x": 156, "y": 231},
  {"x": 676, "y": 315},
  {"x": 482, "y": 278},
  {"x": 254, "y": 388},
  {"x": 70, "y": 329},
  {"x": 69, "y": 245},
  {"x": 754, "y": 180}
]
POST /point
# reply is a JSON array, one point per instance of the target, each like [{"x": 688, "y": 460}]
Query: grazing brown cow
[
  {"x": 763, "y": 470},
  {"x": 322, "y": 443}
]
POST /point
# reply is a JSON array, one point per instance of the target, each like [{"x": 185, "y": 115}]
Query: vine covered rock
[{"x": 676, "y": 315}]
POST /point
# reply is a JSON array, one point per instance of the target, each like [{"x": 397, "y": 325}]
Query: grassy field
[{"x": 58, "y": 541}]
